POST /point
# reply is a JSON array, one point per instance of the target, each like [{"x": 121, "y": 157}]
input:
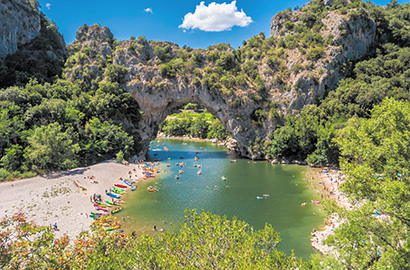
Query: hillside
[
  {"x": 282, "y": 98},
  {"x": 249, "y": 89},
  {"x": 330, "y": 86}
]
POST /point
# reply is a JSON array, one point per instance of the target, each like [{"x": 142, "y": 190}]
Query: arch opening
[{"x": 235, "y": 118}]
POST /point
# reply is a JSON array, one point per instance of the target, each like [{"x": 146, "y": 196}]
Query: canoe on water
[{"x": 111, "y": 228}]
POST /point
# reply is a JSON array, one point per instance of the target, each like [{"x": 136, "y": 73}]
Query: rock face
[
  {"x": 158, "y": 105},
  {"x": 353, "y": 36},
  {"x": 19, "y": 25},
  {"x": 154, "y": 81}
]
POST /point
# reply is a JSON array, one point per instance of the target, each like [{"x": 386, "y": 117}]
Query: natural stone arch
[
  {"x": 158, "y": 104},
  {"x": 158, "y": 85}
]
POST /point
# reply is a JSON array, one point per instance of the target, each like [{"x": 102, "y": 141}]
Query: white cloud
[
  {"x": 215, "y": 17},
  {"x": 48, "y": 5},
  {"x": 148, "y": 10}
]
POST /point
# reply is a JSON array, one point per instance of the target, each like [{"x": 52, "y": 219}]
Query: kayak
[
  {"x": 102, "y": 204},
  {"x": 130, "y": 180},
  {"x": 114, "y": 195},
  {"x": 101, "y": 208},
  {"x": 152, "y": 189},
  {"x": 127, "y": 182},
  {"x": 116, "y": 210},
  {"x": 133, "y": 188},
  {"x": 119, "y": 189},
  {"x": 120, "y": 186},
  {"x": 111, "y": 203},
  {"x": 116, "y": 191},
  {"x": 111, "y": 228},
  {"x": 97, "y": 214}
]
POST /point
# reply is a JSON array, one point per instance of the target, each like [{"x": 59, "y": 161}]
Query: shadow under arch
[{"x": 157, "y": 104}]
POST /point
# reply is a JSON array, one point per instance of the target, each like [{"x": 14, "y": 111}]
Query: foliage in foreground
[
  {"x": 375, "y": 157},
  {"x": 205, "y": 241}
]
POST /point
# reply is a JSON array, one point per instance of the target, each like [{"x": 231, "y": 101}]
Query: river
[{"x": 235, "y": 196}]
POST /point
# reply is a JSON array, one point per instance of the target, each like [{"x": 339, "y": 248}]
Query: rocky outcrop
[
  {"x": 20, "y": 23},
  {"x": 30, "y": 45},
  {"x": 159, "y": 104},
  {"x": 352, "y": 37},
  {"x": 161, "y": 76}
]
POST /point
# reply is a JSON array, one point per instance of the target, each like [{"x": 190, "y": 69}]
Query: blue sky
[{"x": 168, "y": 20}]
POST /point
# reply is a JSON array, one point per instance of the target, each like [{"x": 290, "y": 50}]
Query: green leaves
[
  {"x": 204, "y": 241},
  {"x": 52, "y": 149},
  {"x": 375, "y": 155}
]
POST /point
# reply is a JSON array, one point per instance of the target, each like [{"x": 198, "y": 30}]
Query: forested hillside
[
  {"x": 332, "y": 106},
  {"x": 98, "y": 76}
]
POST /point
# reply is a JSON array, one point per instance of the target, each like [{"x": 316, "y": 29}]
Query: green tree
[
  {"x": 217, "y": 130},
  {"x": 115, "y": 73},
  {"x": 375, "y": 154},
  {"x": 50, "y": 148},
  {"x": 199, "y": 127},
  {"x": 204, "y": 241},
  {"x": 102, "y": 140}
]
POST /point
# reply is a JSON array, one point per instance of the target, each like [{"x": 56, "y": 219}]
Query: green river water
[{"x": 236, "y": 196}]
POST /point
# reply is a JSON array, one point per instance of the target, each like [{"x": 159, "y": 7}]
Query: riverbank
[
  {"x": 64, "y": 198},
  {"x": 326, "y": 182},
  {"x": 229, "y": 142}
]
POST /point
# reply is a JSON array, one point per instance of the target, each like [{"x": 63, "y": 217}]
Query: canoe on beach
[
  {"x": 101, "y": 208},
  {"x": 113, "y": 195},
  {"x": 127, "y": 182},
  {"x": 120, "y": 186},
  {"x": 116, "y": 191}
]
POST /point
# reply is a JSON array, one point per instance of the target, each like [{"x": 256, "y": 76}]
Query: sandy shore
[
  {"x": 326, "y": 182},
  {"x": 65, "y": 198}
]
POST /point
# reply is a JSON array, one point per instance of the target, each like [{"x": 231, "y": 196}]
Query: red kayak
[{"x": 120, "y": 186}]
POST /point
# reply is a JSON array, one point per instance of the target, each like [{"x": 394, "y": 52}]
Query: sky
[{"x": 194, "y": 23}]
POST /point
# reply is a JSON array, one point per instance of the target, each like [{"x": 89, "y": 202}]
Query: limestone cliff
[
  {"x": 249, "y": 89},
  {"x": 30, "y": 45},
  {"x": 20, "y": 24},
  {"x": 351, "y": 35}
]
